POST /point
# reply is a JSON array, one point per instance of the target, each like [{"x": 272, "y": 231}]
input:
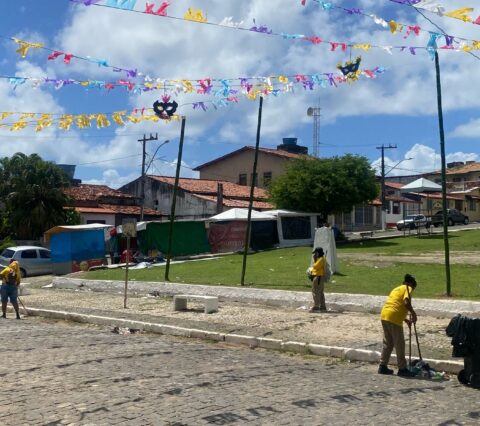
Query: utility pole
[
  {"x": 142, "y": 181},
  {"x": 384, "y": 195},
  {"x": 444, "y": 177}
]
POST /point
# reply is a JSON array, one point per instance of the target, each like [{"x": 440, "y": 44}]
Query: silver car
[{"x": 33, "y": 260}]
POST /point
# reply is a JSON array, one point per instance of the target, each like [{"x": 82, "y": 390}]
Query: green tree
[
  {"x": 326, "y": 186},
  {"x": 32, "y": 193}
]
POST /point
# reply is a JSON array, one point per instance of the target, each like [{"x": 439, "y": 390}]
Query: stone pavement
[
  {"x": 57, "y": 373},
  {"x": 278, "y": 319}
]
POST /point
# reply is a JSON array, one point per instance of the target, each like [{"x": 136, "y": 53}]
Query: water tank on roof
[
  {"x": 289, "y": 141},
  {"x": 69, "y": 169},
  {"x": 290, "y": 145}
]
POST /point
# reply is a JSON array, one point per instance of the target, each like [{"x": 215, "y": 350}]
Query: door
[{"x": 44, "y": 262}]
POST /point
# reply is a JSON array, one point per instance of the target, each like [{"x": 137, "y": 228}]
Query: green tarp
[{"x": 188, "y": 238}]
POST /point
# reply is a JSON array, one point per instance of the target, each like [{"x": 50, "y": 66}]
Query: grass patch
[{"x": 285, "y": 269}]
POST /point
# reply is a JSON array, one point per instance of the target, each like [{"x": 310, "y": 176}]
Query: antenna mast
[{"x": 315, "y": 113}]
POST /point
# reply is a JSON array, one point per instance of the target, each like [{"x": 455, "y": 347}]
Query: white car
[
  {"x": 33, "y": 260},
  {"x": 412, "y": 221}
]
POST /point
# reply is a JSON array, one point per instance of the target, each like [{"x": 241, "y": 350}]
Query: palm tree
[{"x": 32, "y": 190}]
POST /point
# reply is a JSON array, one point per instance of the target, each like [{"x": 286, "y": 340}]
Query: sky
[{"x": 397, "y": 108}]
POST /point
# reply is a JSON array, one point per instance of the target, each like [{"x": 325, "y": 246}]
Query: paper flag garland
[{"x": 200, "y": 17}]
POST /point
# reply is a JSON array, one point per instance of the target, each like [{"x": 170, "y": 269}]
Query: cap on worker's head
[
  {"x": 318, "y": 250},
  {"x": 410, "y": 279},
  {"x": 11, "y": 261}
]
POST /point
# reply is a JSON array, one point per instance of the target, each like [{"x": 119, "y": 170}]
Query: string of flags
[
  {"x": 165, "y": 109},
  {"x": 451, "y": 42},
  {"x": 197, "y": 15},
  {"x": 229, "y": 89},
  {"x": 41, "y": 121},
  {"x": 462, "y": 14}
]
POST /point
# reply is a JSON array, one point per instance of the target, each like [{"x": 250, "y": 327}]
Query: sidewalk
[{"x": 265, "y": 318}]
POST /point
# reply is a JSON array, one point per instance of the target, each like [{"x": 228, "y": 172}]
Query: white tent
[
  {"x": 421, "y": 185},
  {"x": 325, "y": 238},
  {"x": 240, "y": 214}
]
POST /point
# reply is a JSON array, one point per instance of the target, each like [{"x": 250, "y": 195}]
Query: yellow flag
[
  {"x": 19, "y": 125},
  {"x": 117, "y": 117},
  {"x": 44, "y": 121},
  {"x": 461, "y": 14},
  {"x": 65, "y": 122},
  {"x": 24, "y": 46},
  {"x": 194, "y": 15},
  {"x": 102, "y": 121}
]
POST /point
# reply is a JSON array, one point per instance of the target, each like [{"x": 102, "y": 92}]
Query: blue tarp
[{"x": 78, "y": 245}]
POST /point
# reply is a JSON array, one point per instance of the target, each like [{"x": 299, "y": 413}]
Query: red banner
[{"x": 227, "y": 237}]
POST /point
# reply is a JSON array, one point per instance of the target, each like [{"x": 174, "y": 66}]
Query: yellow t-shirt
[
  {"x": 394, "y": 309},
  {"x": 318, "y": 267},
  {"x": 15, "y": 267}
]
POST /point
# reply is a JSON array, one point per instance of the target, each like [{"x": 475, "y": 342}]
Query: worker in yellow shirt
[
  {"x": 394, "y": 313},
  {"x": 318, "y": 284},
  {"x": 9, "y": 289}
]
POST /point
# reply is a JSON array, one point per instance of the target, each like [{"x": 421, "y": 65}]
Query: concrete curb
[
  {"x": 336, "y": 301},
  {"x": 250, "y": 341}
]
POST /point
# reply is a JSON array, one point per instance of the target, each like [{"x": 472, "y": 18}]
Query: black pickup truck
[{"x": 454, "y": 216}]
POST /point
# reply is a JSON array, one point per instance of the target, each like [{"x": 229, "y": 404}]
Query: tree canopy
[
  {"x": 326, "y": 185},
  {"x": 32, "y": 193}
]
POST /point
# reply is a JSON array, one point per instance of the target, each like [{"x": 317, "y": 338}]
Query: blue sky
[{"x": 398, "y": 107}]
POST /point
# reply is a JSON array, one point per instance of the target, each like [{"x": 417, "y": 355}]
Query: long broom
[{"x": 23, "y": 306}]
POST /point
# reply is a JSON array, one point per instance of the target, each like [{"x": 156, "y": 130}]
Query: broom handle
[{"x": 415, "y": 326}]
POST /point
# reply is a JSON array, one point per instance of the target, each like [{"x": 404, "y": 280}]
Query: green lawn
[{"x": 285, "y": 268}]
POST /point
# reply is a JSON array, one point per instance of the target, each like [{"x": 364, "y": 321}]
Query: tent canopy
[
  {"x": 421, "y": 185},
  {"x": 241, "y": 214},
  {"x": 74, "y": 228}
]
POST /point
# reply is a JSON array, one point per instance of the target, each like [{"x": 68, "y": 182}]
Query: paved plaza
[{"x": 62, "y": 373}]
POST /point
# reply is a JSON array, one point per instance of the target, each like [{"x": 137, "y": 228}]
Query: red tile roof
[
  {"x": 394, "y": 185},
  {"x": 466, "y": 168},
  {"x": 87, "y": 192},
  {"x": 276, "y": 152},
  {"x": 96, "y": 210},
  {"x": 209, "y": 187}
]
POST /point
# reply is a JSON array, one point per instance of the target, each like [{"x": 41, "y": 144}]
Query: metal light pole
[
  {"x": 174, "y": 200},
  {"x": 252, "y": 189}
]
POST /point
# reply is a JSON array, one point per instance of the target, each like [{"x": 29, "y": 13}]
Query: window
[
  {"x": 242, "y": 179},
  {"x": 457, "y": 179},
  {"x": 44, "y": 254},
  {"x": 267, "y": 178},
  {"x": 472, "y": 204},
  {"x": 395, "y": 208},
  {"x": 95, "y": 221},
  {"x": 296, "y": 227},
  {"x": 29, "y": 254}
]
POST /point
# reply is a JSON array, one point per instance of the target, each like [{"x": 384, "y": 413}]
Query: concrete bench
[
  {"x": 366, "y": 234},
  {"x": 180, "y": 302}
]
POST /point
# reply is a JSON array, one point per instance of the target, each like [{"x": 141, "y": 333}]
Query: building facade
[
  {"x": 236, "y": 166},
  {"x": 196, "y": 198}
]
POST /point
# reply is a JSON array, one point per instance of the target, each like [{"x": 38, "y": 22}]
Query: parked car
[
  {"x": 453, "y": 216},
  {"x": 413, "y": 221},
  {"x": 33, "y": 260}
]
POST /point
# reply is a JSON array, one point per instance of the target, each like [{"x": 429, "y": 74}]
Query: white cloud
[
  {"x": 467, "y": 130},
  {"x": 419, "y": 159},
  {"x": 171, "y": 49}
]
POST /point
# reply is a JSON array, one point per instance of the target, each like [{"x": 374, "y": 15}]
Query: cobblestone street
[{"x": 61, "y": 373}]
